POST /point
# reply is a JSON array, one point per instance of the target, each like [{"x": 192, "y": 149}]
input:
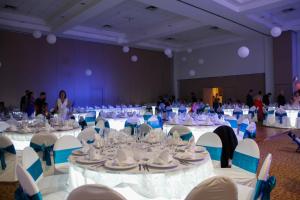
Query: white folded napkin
[
  {"x": 124, "y": 157},
  {"x": 163, "y": 158},
  {"x": 4, "y": 126},
  {"x": 92, "y": 153},
  {"x": 85, "y": 147}
]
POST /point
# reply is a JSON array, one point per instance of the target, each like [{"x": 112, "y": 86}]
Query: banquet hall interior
[{"x": 149, "y": 99}]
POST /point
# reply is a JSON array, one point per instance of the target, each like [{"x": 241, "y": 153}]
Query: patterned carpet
[{"x": 285, "y": 165}]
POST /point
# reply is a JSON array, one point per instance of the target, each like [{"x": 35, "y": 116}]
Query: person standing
[
  {"x": 249, "y": 98},
  {"x": 259, "y": 105},
  {"x": 23, "y": 101},
  {"x": 40, "y": 104},
  {"x": 281, "y": 99},
  {"x": 62, "y": 104},
  {"x": 29, "y": 104},
  {"x": 266, "y": 99}
]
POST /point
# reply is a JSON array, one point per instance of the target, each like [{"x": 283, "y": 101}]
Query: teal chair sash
[
  {"x": 36, "y": 169},
  {"x": 245, "y": 162},
  {"x": 45, "y": 149},
  {"x": 214, "y": 152},
  {"x": 233, "y": 123},
  {"x": 249, "y": 134},
  {"x": 263, "y": 189},
  {"x": 9, "y": 149},
  {"x": 252, "y": 113},
  {"x": 280, "y": 116},
  {"x": 61, "y": 156},
  {"x": 21, "y": 195},
  {"x": 132, "y": 126},
  {"x": 237, "y": 114},
  {"x": 243, "y": 127},
  {"x": 187, "y": 136}
]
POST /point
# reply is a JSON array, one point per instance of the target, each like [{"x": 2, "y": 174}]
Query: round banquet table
[
  {"x": 22, "y": 140},
  {"x": 141, "y": 184}
]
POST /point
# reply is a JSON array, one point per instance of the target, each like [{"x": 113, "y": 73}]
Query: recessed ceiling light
[
  {"x": 151, "y": 8},
  {"x": 10, "y": 7},
  {"x": 107, "y": 26},
  {"x": 287, "y": 10}
]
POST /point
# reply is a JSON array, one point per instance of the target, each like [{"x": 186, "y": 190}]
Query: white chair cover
[
  {"x": 63, "y": 148},
  {"x": 31, "y": 189},
  {"x": 87, "y": 135},
  {"x": 94, "y": 192},
  {"x": 213, "y": 145},
  {"x": 184, "y": 132},
  {"x": 243, "y": 126},
  {"x": 244, "y": 164},
  {"x": 145, "y": 129},
  {"x": 214, "y": 188},
  {"x": 8, "y": 174}
]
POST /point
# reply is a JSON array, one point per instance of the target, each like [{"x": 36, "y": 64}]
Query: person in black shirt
[
  {"x": 23, "y": 102},
  {"x": 40, "y": 104},
  {"x": 266, "y": 99},
  {"x": 249, "y": 99},
  {"x": 281, "y": 99}
]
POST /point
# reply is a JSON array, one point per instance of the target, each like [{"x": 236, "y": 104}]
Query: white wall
[{"x": 222, "y": 60}]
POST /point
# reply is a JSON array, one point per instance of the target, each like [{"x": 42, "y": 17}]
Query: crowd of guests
[{"x": 39, "y": 106}]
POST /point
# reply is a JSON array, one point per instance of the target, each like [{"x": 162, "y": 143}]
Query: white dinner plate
[
  {"x": 110, "y": 164},
  {"x": 78, "y": 153},
  {"x": 83, "y": 160},
  {"x": 172, "y": 164},
  {"x": 196, "y": 157}
]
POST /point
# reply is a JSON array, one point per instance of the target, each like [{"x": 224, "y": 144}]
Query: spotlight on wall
[
  {"x": 200, "y": 61},
  {"x": 192, "y": 72}
]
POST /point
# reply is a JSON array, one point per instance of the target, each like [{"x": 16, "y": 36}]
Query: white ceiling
[{"x": 176, "y": 24}]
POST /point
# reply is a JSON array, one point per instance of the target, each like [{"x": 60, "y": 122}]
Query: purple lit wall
[{"x": 29, "y": 63}]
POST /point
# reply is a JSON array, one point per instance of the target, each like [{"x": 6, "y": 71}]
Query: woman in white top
[{"x": 62, "y": 104}]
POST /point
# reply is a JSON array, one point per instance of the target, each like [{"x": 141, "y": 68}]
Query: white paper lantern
[
  {"x": 183, "y": 59},
  {"x": 88, "y": 72},
  {"x": 243, "y": 52},
  {"x": 189, "y": 50},
  {"x": 276, "y": 31},
  {"x": 125, "y": 49},
  {"x": 51, "y": 38},
  {"x": 200, "y": 61},
  {"x": 134, "y": 58},
  {"x": 192, "y": 72},
  {"x": 37, "y": 34}
]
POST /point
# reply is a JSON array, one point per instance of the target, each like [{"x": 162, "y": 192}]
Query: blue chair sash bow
[
  {"x": 154, "y": 124},
  {"x": 187, "y": 136},
  {"x": 280, "y": 116},
  {"x": 232, "y": 122},
  {"x": 61, "y": 156},
  {"x": 182, "y": 110},
  {"x": 147, "y": 116},
  {"x": 36, "y": 169},
  {"x": 264, "y": 188},
  {"x": 251, "y": 113},
  {"x": 132, "y": 126},
  {"x": 249, "y": 134},
  {"x": 220, "y": 114},
  {"x": 237, "y": 114},
  {"x": 245, "y": 162},
  {"x": 21, "y": 195},
  {"x": 243, "y": 127},
  {"x": 9, "y": 149},
  {"x": 46, "y": 151},
  {"x": 298, "y": 114}
]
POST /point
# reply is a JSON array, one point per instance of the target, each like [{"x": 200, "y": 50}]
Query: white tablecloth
[
  {"x": 134, "y": 184},
  {"x": 22, "y": 140}
]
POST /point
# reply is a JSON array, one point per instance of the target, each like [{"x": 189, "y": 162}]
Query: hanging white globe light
[
  {"x": 243, "y": 52},
  {"x": 276, "y": 31},
  {"x": 134, "y": 58},
  {"x": 201, "y": 61},
  {"x": 189, "y": 50},
  {"x": 192, "y": 72},
  {"x": 37, "y": 34},
  {"x": 88, "y": 72},
  {"x": 51, "y": 38},
  {"x": 125, "y": 49},
  {"x": 168, "y": 52}
]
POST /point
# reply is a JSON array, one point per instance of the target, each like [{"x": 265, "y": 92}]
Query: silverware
[
  {"x": 140, "y": 167},
  {"x": 147, "y": 168},
  {"x": 144, "y": 167}
]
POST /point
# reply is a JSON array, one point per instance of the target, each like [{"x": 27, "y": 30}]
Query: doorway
[{"x": 210, "y": 93}]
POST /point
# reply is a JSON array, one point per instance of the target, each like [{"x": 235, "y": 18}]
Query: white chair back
[
  {"x": 212, "y": 143},
  {"x": 63, "y": 148},
  {"x": 94, "y": 191},
  {"x": 32, "y": 163},
  {"x": 27, "y": 183},
  {"x": 87, "y": 135},
  {"x": 217, "y": 187},
  {"x": 154, "y": 122},
  {"x": 184, "y": 132},
  {"x": 246, "y": 155},
  {"x": 47, "y": 139},
  {"x": 145, "y": 128},
  {"x": 5, "y": 141}
]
